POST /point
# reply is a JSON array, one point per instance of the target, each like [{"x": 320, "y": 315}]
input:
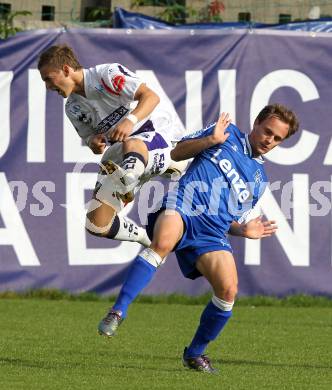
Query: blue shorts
[{"x": 195, "y": 241}]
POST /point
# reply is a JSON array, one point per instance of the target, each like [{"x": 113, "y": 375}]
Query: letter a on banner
[{"x": 14, "y": 232}]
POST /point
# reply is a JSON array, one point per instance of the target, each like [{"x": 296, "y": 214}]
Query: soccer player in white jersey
[
  {"x": 213, "y": 199},
  {"x": 100, "y": 106}
]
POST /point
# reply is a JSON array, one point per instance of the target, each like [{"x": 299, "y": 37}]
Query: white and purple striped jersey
[{"x": 110, "y": 90}]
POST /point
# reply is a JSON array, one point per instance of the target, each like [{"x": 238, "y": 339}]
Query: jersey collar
[{"x": 259, "y": 159}]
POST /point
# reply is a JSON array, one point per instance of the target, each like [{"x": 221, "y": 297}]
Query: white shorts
[
  {"x": 159, "y": 150},
  {"x": 159, "y": 160}
]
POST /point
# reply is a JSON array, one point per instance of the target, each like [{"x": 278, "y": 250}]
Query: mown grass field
[{"x": 53, "y": 344}]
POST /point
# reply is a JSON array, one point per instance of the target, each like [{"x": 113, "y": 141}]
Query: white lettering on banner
[
  {"x": 194, "y": 81},
  {"x": 73, "y": 148},
  {"x": 295, "y": 243},
  {"x": 227, "y": 88},
  {"x": 78, "y": 253},
  {"x": 5, "y": 82},
  {"x": 14, "y": 232},
  {"x": 261, "y": 96},
  {"x": 36, "y": 124}
]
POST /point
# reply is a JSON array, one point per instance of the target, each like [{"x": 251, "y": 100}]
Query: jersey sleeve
[
  {"x": 119, "y": 81},
  {"x": 82, "y": 123},
  {"x": 200, "y": 133}
]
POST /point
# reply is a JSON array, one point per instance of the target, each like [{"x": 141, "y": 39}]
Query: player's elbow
[
  {"x": 175, "y": 155},
  {"x": 150, "y": 96},
  {"x": 155, "y": 98}
]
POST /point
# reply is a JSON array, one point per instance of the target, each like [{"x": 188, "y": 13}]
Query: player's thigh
[
  {"x": 219, "y": 269},
  {"x": 167, "y": 232}
]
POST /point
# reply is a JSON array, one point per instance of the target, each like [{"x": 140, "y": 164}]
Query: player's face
[
  {"x": 267, "y": 134},
  {"x": 57, "y": 80}
]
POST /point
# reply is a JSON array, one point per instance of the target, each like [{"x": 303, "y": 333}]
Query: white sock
[
  {"x": 130, "y": 231},
  {"x": 221, "y": 304}
]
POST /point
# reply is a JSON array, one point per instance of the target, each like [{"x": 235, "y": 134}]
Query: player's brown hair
[
  {"x": 58, "y": 56},
  {"x": 281, "y": 112}
]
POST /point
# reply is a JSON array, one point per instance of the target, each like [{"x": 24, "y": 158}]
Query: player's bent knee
[
  {"x": 228, "y": 293},
  {"x": 161, "y": 246},
  {"x": 96, "y": 228}
]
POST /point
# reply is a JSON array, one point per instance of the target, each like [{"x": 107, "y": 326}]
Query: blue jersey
[{"x": 222, "y": 185}]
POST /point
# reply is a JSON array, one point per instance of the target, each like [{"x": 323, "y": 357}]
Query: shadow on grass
[
  {"x": 15, "y": 362},
  {"x": 143, "y": 363},
  {"x": 35, "y": 364},
  {"x": 271, "y": 364}
]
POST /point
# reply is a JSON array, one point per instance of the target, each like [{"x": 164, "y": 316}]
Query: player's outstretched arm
[
  {"x": 254, "y": 229},
  {"x": 191, "y": 147},
  {"x": 147, "y": 102}
]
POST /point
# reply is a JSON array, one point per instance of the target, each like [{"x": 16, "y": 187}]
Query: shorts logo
[
  {"x": 158, "y": 163},
  {"x": 224, "y": 243},
  {"x": 117, "y": 85}
]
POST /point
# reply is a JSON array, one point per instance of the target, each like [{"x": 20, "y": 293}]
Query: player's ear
[{"x": 66, "y": 70}]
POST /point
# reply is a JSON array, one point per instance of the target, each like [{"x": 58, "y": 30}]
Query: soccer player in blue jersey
[{"x": 213, "y": 198}]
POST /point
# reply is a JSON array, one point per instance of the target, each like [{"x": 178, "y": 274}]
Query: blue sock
[
  {"x": 138, "y": 277},
  {"x": 211, "y": 324}
]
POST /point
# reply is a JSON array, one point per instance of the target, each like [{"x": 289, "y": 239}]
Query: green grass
[
  {"x": 258, "y": 300},
  {"x": 52, "y": 344}
]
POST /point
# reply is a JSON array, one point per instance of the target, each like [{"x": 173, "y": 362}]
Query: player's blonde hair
[
  {"x": 281, "y": 112},
  {"x": 58, "y": 56}
]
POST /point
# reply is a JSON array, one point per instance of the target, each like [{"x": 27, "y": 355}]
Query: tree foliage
[{"x": 7, "y": 24}]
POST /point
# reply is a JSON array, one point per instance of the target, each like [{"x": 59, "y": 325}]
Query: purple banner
[{"x": 47, "y": 175}]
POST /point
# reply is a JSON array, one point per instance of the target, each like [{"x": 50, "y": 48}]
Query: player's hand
[
  {"x": 98, "y": 143},
  {"x": 122, "y": 131},
  {"x": 219, "y": 136},
  {"x": 257, "y": 228}
]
